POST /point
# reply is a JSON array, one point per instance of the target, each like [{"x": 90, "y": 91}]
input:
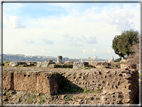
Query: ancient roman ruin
[{"x": 118, "y": 86}]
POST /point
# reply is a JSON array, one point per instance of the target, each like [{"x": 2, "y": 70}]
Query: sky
[{"x": 74, "y": 30}]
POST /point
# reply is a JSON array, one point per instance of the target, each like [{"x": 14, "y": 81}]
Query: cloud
[
  {"x": 89, "y": 51},
  {"x": 85, "y": 50},
  {"x": 73, "y": 41},
  {"x": 90, "y": 40},
  {"x": 29, "y": 41},
  {"x": 111, "y": 21},
  {"x": 125, "y": 14},
  {"x": 13, "y": 22},
  {"x": 68, "y": 38},
  {"x": 124, "y": 18},
  {"x": 124, "y": 24},
  {"x": 121, "y": 23},
  {"x": 94, "y": 50},
  {"x": 108, "y": 50},
  {"x": 47, "y": 41},
  {"x": 49, "y": 52}
]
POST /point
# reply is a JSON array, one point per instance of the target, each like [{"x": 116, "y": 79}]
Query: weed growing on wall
[
  {"x": 87, "y": 91},
  {"x": 68, "y": 97}
]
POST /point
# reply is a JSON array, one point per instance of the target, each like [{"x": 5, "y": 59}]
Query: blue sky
[{"x": 74, "y": 30}]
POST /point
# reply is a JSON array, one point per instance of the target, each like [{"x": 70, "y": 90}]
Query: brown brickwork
[{"x": 118, "y": 86}]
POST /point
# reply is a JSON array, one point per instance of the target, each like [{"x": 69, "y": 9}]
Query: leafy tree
[
  {"x": 122, "y": 43},
  {"x": 117, "y": 60}
]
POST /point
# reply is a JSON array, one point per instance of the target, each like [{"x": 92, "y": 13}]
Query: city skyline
[{"x": 74, "y": 30}]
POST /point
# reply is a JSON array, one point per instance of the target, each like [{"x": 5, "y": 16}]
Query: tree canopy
[{"x": 122, "y": 44}]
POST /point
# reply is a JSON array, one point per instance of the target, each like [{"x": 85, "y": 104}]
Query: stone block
[
  {"x": 6, "y": 64},
  {"x": 8, "y": 82},
  {"x": 67, "y": 65},
  {"x": 13, "y": 64},
  {"x": 49, "y": 60},
  {"x": 44, "y": 64},
  {"x": 100, "y": 66},
  {"x": 77, "y": 65},
  {"x": 48, "y": 82},
  {"x": 31, "y": 63},
  {"x": 25, "y": 80},
  {"x": 52, "y": 66},
  {"x": 128, "y": 66}
]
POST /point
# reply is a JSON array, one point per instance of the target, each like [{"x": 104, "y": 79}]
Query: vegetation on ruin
[
  {"x": 87, "y": 91},
  {"x": 117, "y": 60},
  {"x": 18, "y": 66},
  {"x": 6, "y": 62},
  {"x": 68, "y": 97},
  {"x": 122, "y": 43}
]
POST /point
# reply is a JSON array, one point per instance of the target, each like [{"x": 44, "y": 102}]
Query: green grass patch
[
  {"x": 88, "y": 91},
  {"x": 42, "y": 101},
  {"x": 6, "y": 62},
  {"x": 33, "y": 97},
  {"x": 68, "y": 97},
  {"x": 41, "y": 95},
  {"x": 18, "y": 66}
]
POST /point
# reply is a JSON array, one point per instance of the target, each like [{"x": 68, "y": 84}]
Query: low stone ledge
[{"x": 78, "y": 65}]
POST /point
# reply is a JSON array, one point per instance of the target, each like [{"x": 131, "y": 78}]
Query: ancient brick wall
[
  {"x": 8, "y": 80},
  {"x": 43, "y": 82},
  {"x": 118, "y": 86},
  {"x": 25, "y": 80}
]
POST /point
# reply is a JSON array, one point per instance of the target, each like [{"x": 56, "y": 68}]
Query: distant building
[
  {"x": 89, "y": 60},
  {"x": 95, "y": 57},
  {"x": 111, "y": 60}
]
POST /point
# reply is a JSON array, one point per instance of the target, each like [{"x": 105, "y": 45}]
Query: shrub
[{"x": 117, "y": 60}]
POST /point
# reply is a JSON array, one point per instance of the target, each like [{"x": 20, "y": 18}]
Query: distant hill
[
  {"x": 16, "y": 57},
  {"x": 19, "y": 57}
]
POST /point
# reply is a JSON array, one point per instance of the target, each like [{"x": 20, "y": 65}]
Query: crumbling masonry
[{"x": 118, "y": 86}]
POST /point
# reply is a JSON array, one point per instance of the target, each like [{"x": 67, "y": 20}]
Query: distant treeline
[
  {"x": 29, "y": 58},
  {"x": 15, "y": 57}
]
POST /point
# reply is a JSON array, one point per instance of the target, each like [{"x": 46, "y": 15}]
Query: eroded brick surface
[
  {"x": 8, "y": 82},
  {"x": 118, "y": 86},
  {"x": 25, "y": 80}
]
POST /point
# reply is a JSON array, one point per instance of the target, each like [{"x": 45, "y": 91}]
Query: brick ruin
[{"x": 118, "y": 86}]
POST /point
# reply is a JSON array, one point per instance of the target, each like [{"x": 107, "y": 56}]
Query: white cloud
[
  {"x": 108, "y": 50},
  {"x": 68, "y": 38},
  {"x": 111, "y": 21},
  {"x": 26, "y": 49},
  {"x": 89, "y": 51},
  {"x": 125, "y": 18},
  {"x": 90, "y": 40},
  {"x": 29, "y": 41},
  {"x": 73, "y": 41},
  {"x": 65, "y": 31},
  {"x": 126, "y": 14},
  {"x": 124, "y": 24},
  {"x": 85, "y": 50},
  {"x": 13, "y": 22},
  {"x": 49, "y": 52},
  {"x": 47, "y": 41},
  {"x": 94, "y": 50}
]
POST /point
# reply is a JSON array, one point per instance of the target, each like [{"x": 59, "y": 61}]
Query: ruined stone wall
[
  {"x": 43, "y": 82},
  {"x": 118, "y": 86}
]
